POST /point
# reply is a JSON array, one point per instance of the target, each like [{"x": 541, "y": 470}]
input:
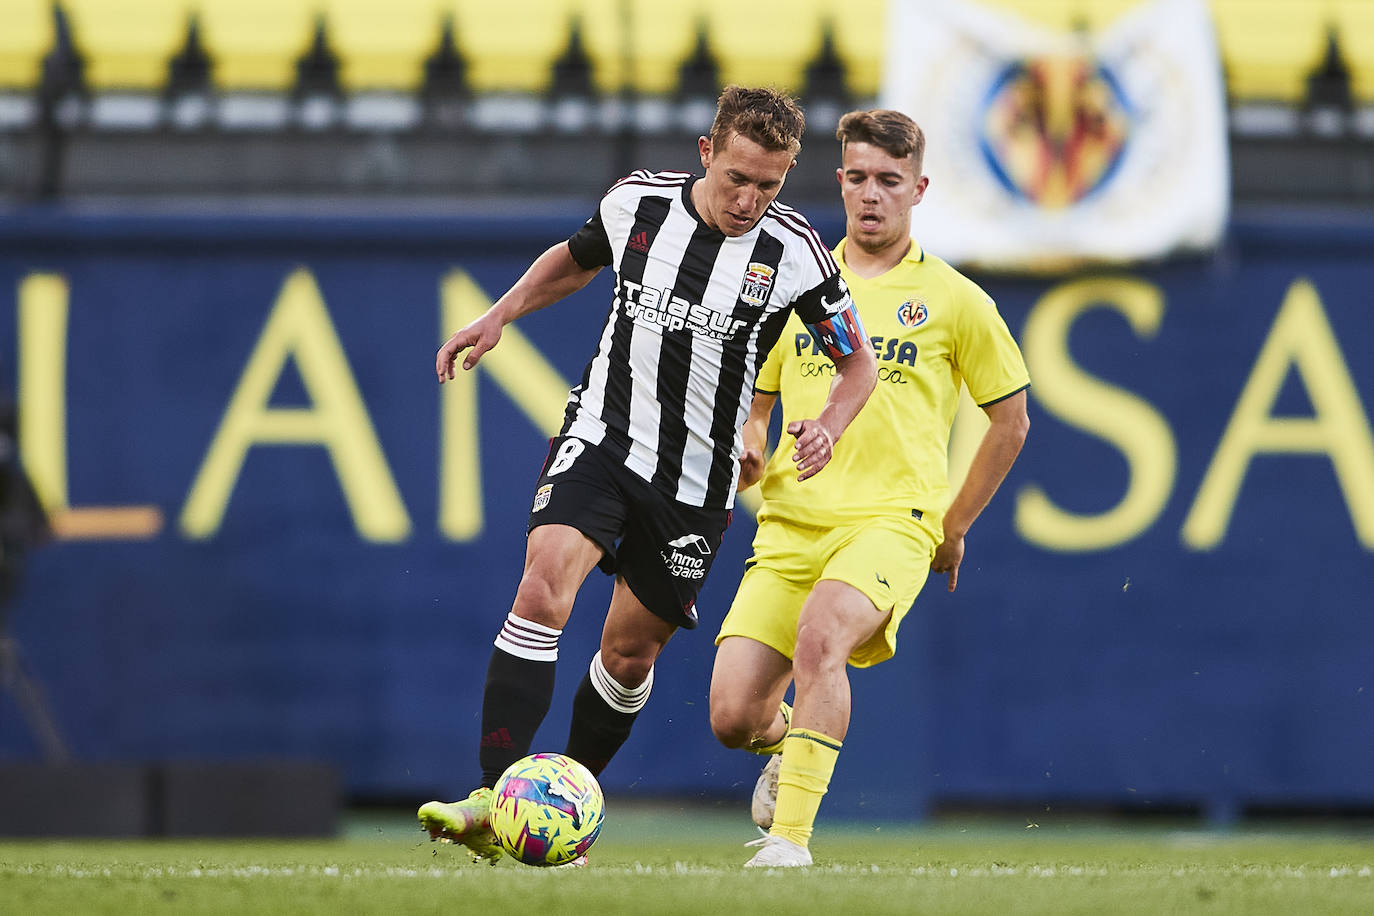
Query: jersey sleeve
[
  {"x": 769, "y": 379},
  {"x": 591, "y": 245},
  {"x": 985, "y": 352}
]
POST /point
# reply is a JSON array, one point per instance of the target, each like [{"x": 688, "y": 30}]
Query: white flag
[{"x": 1048, "y": 149}]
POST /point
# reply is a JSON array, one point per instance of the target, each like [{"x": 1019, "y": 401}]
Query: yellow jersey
[{"x": 933, "y": 329}]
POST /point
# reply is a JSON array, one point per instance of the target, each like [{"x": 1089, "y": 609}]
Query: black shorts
[{"x": 661, "y": 547}]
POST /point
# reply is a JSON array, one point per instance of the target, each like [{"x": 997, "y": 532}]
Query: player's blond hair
[
  {"x": 770, "y": 118},
  {"x": 891, "y": 131}
]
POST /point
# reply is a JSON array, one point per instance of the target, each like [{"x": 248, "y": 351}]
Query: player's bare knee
[
  {"x": 539, "y": 600},
  {"x": 732, "y": 725},
  {"x": 627, "y": 666},
  {"x": 817, "y": 650},
  {"x": 730, "y": 735}
]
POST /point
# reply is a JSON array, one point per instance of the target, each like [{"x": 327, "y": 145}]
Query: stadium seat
[
  {"x": 127, "y": 45},
  {"x": 384, "y": 45},
  {"x": 255, "y": 44},
  {"x": 774, "y": 55},
  {"x": 861, "y": 37},
  {"x": 661, "y": 39},
  {"x": 1269, "y": 46},
  {"x": 603, "y": 31},
  {"x": 511, "y": 45},
  {"x": 1355, "y": 19},
  {"x": 26, "y": 37}
]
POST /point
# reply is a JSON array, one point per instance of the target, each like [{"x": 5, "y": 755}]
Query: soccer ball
[{"x": 546, "y": 809}]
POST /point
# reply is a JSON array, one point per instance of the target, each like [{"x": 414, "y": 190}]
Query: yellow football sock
[
  {"x": 808, "y": 760},
  {"x": 768, "y": 750}
]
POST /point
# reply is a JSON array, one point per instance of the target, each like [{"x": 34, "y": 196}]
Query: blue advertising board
[{"x": 278, "y": 537}]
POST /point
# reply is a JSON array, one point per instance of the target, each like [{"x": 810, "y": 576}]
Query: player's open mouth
[{"x": 870, "y": 221}]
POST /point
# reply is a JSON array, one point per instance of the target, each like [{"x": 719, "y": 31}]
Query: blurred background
[{"x": 253, "y": 561}]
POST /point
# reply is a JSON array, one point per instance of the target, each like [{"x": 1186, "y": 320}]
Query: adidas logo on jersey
[{"x": 639, "y": 242}]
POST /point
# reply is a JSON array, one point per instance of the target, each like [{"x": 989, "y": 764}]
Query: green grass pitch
[{"x": 671, "y": 858}]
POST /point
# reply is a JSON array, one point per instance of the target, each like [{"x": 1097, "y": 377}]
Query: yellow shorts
[{"x": 887, "y": 558}]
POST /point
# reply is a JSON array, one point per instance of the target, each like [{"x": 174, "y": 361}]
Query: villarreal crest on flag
[{"x": 1050, "y": 149}]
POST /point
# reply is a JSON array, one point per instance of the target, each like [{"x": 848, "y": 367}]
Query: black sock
[
  {"x": 515, "y": 700},
  {"x": 597, "y": 730}
]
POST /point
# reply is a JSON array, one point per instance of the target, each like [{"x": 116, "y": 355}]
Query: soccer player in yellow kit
[{"x": 839, "y": 558}]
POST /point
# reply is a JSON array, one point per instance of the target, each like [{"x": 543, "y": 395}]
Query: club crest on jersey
[
  {"x": 758, "y": 282},
  {"x": 912, "y": 313},
  {"x": 541, "y": 498}
]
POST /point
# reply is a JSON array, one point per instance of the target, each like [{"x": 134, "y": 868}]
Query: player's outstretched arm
[
  {"x": 552, "y": 276},
  {"x": 755, "y": 434},
  {"x": 996, "y": 454},
  {"x": 855, "y": 375}
]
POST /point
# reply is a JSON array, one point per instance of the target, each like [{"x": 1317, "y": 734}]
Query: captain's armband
[{"x": 840, "y": 334}]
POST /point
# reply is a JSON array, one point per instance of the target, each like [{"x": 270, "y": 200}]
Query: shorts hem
[
  {"x": 675, "y": 617},
  {"x": 607, "y": 550},
  {"x": 787, "y": 652}
]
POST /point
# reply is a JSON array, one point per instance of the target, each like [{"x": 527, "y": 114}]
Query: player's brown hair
[
  {"x": 891, "y": 131},
  {"x": 770, "y": 118}
]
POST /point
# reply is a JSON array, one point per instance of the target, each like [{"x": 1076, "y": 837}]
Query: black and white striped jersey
[{"x": 693, "y": 315}]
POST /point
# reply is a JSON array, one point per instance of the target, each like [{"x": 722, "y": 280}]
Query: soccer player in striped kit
[
  {"x": 641, "y": 479},
  {"x": 832, "y": 575}
]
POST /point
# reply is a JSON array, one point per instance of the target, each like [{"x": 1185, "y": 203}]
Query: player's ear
[
  {"x": 839, "y": 176},
  {"x": 704, "y": 147},
  {"x": 921, "y": 184}
]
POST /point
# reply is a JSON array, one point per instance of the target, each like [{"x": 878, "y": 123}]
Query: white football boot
[
  {"x": 778, "y": 852},
  {"x": 765, "y": 800}
]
